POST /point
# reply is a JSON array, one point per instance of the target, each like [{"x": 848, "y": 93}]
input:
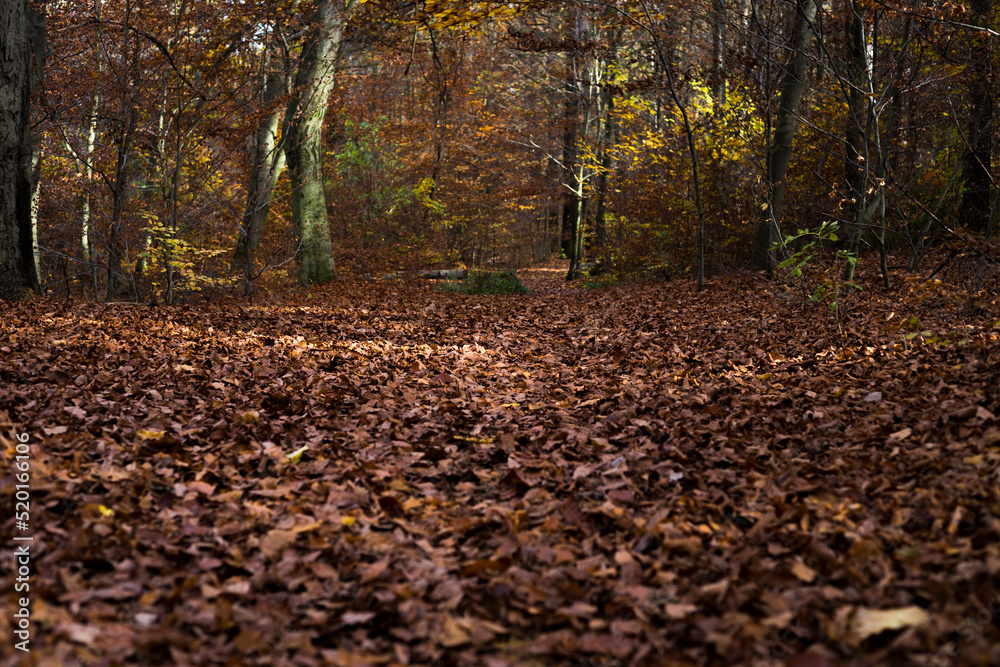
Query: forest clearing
[{"x": 385, "y": 473}]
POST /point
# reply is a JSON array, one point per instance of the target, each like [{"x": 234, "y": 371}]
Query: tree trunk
[
  {"x": 855, "y": 136},
  {"x": 313, "y": 83},
  {"x": 268, "y": 164},
  {"x": 603, "y": 178},
  {"x": 88, "y": 178},
  {"x": 975, "y": 209},
  {"x": 571, "y": 109},
  {"x": 780, "y": 152},
  {"x": 123, "y": 183},
  {"x": 37, "y": 39},
  {"x": 17, "y": 274},
  {"x": 606, "y": 138},
  {"x": 718, "y": 56},
  {"x": 583, "y": 171},
  {"x": 860, "y": 117}
]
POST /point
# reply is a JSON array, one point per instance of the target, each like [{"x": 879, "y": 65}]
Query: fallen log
[{"x": 445, "y": 274}]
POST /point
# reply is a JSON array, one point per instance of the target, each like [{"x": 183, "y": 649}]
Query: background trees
[{"x": 493, "y": 134}]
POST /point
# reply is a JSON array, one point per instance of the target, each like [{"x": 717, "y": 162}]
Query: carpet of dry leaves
[{"x": 638, "y": 475}]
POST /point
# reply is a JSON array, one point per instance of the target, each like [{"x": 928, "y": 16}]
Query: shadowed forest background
[{"x": 201, "y": 145}]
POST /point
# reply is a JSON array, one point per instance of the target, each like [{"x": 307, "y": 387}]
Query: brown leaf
[
  {"x": 391, "y": 506},
  {"x": 275, "y": 541},
  {"x": 452, "y": 634}
]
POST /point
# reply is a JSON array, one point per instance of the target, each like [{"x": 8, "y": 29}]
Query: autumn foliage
[{"x": 497, "y": 135}]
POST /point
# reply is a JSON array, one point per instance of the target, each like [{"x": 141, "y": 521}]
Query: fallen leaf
[
  {"x": 867, "y": 622},
  {"x": 275, "y": 541}
]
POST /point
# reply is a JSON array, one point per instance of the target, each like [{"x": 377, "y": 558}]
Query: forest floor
[{"x": 640, "y": 474}]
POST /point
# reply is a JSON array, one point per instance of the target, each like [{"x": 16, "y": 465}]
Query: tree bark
[
  {"x": 38, "y": 40},
  {"x": 718, "y": 57},
  {"x": 571, "y": 110},
  {"x": 855, "y": 136},
  {"x": 780, "y": 151},
  {"x": 304, "y": 121},
  {"x": 860, "y": 118},
  {"x": 17, "y": 274},
  {"x": 267, "y": 165},
  {"x": 603, "y": 178},
  {"x": 975, "y": 209}
]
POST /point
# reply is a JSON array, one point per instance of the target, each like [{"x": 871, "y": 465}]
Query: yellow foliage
[{"x": 167, "y": 253}]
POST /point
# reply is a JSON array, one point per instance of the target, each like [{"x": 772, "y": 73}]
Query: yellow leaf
[
  {"x": 150, "y": 435},
  {"x": 296, "y": 456},
  {"x": 105, "y": 511},
  {"x": 347, "y": 521}
]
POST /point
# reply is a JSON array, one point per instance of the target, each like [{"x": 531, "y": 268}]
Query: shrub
[{"x": 487, "y": 282}]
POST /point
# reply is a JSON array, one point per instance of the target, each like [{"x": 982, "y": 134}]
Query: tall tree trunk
[
  {"x": 124, "y": 141},
  {"x": 855, "y": 137},
  {"x": 606, "y": 138},
  {"x": 571, "y": 110},
  {"x": 860, "y": 117},
  {"x": 780, "y": 151},
  {"x": 123, "y": 183},
  {"x": 268, "y": 162},
  {"x": 603, "y": 178},
  {"x": 975, "y": 209},
  {"x": 313, "y": 83},
  {"x": 17, "y": 274},
  {"x": 443, "y": 86},
  {"x": 889, "y": 140},
  {"x": 38, "y": 39},
  {"x": 718, "y": 56},
  {"x": 88, "y": 179},
  {"x": 583, "y": 172}
]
